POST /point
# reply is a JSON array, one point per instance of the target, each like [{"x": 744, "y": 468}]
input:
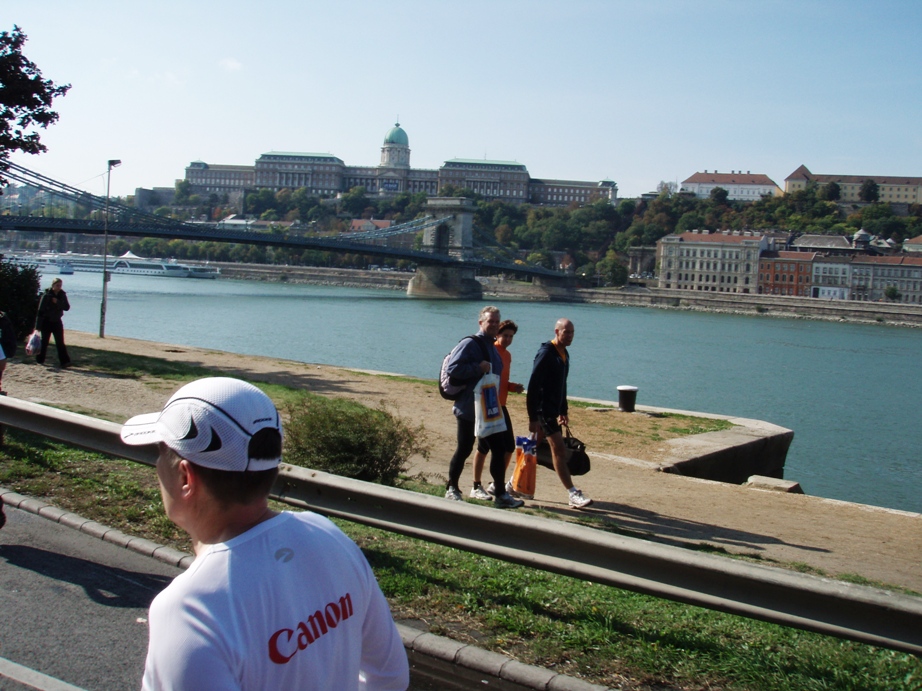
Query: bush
[
  {"x": 19, "y": 294},
  {"x": 349, "y": 439}
]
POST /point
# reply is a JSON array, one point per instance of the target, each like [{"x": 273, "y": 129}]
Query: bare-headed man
[
  {"x": 546, "y": 401},
  {"x": 273, "y": 600}
]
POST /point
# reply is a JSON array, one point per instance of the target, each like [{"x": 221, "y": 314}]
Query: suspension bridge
[{"x": 450, "y": 256}]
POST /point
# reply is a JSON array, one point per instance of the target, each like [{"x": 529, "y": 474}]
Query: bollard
[{"x": 627, "y": 397}]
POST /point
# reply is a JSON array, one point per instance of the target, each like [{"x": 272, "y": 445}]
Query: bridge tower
[{"x": 455, "y": 238}]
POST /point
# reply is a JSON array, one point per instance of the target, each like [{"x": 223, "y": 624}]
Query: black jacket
[
  {"x": 547, "y": 388},
  {"x": 51, "y": 310}
]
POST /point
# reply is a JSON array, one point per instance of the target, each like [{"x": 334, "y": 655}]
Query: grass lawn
[{"x": 602, "y": 634}]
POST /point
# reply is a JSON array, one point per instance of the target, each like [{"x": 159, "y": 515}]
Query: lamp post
[{"x": 105, "y": 251}]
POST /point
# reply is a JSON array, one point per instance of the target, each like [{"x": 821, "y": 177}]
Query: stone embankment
[{"x": 893, "y": 314}]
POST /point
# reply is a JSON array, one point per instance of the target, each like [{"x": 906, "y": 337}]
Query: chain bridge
[{"x": 451, "y": 253}]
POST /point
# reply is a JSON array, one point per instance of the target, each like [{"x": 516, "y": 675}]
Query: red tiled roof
[
  {"x": 914, "y": 241},
  {"x": 730, "y": 179},
  {"x": 359, "y": 223},
  {"x": 895, "y": 260}
]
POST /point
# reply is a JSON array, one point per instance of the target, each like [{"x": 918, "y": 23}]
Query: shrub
[
  {"x": 19, "y": 294},
  {"x": 349, "y": 439}
]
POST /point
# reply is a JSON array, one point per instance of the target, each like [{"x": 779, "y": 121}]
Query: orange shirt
[{"x": 506, "y": 357}]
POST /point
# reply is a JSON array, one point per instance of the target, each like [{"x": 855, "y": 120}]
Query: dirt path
[{"x": 839, "y": 538}]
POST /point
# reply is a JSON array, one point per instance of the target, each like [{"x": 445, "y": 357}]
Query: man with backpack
[{"x": 472, "y": 358}]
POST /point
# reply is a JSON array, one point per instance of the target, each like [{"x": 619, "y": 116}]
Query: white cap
[{"x": 210, "y": 422}]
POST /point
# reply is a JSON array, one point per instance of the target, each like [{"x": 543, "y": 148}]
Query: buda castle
[{"x": 325, "y": 175}]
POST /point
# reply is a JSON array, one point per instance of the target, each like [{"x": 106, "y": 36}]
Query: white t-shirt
[{"x": 290, "y": 604}]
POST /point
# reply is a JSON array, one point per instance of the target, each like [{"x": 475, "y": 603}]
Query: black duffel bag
[{"x": 577, "y": 458}]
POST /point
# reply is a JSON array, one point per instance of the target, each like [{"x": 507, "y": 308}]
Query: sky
[{"x": 635, "y": 91}]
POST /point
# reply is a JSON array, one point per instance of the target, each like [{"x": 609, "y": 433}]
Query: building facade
[
  {"x": 325, "y": 175},
  {"x": 786, "y": 273},
  {"x": 740, "y": 186},
  {"x": 894, "y": 189},
  {"x": 872, "y": 276},
  {"x": 724, "y": 262},
  {"x": 832, "y": 277}
]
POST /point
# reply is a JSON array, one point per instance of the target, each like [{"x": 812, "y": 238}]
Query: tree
[
  {"x": 892, "y": 293},
  {"x": 869, "y": 191},
  {"x": 666, "y": 189},
  {"x": 354, "y": 202},
  {"x": 719, "y": 195},
  {"x": 831, "y": 192},
  {"x": 25, "y": 100},
  {"x": 183, "y": 190}
]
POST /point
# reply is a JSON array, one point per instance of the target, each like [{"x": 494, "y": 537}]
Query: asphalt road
[{"x": 73, "y": 607}]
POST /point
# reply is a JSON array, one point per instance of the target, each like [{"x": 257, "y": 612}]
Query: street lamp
[{"x": 105, "y": 251}]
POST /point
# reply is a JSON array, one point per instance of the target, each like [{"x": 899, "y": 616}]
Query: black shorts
[
  {"x": 549, "y": 426},
  {"x": 508, "y": 437}
]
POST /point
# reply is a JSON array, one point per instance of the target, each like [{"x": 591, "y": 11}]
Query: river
[{"x": 849, "y": 391}]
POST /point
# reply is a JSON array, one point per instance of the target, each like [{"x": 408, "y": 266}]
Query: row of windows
[
  {"x": 714, "y": 254},
  {"x": 785, "y": 278},
  {"x": 707, "y": 278}
]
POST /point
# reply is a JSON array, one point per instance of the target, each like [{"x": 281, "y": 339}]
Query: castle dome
[{"x": 397, "y": 136}]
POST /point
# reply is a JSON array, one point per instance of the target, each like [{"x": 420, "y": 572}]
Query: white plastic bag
[
  {"x": 34, "y": 343},
  {"x": 488, "y": 413}
]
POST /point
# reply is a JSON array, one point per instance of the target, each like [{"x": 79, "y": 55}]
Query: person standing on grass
[
  {"x": 475, "y": 358},
  {"x": 547, "y": 403},
  {"x": 51, "y": 309},
  {"x": 507, "y": 331},
  {"x": 273, "y": 600}
]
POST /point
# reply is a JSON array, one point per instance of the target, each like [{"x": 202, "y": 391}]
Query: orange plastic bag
[{"x": 526, "y": 464}]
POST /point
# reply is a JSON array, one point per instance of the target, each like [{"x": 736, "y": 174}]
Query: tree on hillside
[
  {"x": 183, "y": 192},
  {"x": 25, "y": 100},
  {"x": 666, "y": 188},
  {"x": 719, "y": 195},
  {"x": 354, "y": 202},
  {"x": 869, "y": 191},
  {"x": 831, "y": 192}
]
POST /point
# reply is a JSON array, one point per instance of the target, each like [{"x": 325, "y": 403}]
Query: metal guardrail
[{"x": 845, "y": 610}]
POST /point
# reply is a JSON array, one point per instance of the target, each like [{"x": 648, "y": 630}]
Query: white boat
[
  {"x": 196, "y": 271},
  {"x": 47, "y": 263},
  {"x": 130, "y": 263}
]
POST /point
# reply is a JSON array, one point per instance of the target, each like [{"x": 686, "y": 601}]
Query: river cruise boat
[
  {"x": 49, "y": 264},
  {"x": 199, "y": 271},
  {"x": 128, "y": 263}
]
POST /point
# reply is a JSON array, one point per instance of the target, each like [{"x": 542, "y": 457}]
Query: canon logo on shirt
[{"x": 284, "y": 643}]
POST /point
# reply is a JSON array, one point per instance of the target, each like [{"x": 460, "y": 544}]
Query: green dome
[{"x": 397, "y": 136}]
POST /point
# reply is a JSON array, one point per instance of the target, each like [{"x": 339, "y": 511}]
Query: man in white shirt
[{"x": 273, "y": 600}]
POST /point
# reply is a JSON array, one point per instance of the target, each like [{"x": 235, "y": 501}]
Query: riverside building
[
  {"x": 724, "y": 262},
  {"x": 768, "y": 264},
  {"x": 325, "y": 175}
]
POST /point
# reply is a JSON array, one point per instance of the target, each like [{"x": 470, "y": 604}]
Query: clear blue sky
[{"x": 636, "y": 91}]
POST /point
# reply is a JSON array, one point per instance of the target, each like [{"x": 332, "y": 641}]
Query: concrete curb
[{"x": 439, "y": 648}]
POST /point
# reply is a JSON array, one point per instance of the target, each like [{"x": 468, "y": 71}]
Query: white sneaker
[
  {"x": 453, "y": 494},
  {"x": 578, "y": 500},
  {"x": 520, "y": 495},
  {"x": 491, "y": 490},
  {"x": 478, "y": 492},
  {"x": 504, "y": 501}
]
